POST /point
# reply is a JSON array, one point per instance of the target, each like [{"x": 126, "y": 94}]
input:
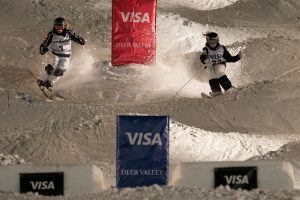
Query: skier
[
  {"x": 214, "y": 58},
  {"x": 60, "y": 39}
]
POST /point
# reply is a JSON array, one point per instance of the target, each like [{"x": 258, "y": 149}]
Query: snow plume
[
  {"x": 173, "y": 79},
  {"x": 81, "y": 71},
  {"x": 171, "y": 75}
]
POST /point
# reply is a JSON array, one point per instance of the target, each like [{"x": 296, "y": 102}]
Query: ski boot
[
  {"x": 41, "y": 83},
  {"x": 45, "y": 84},
  {"x": 49, "y": 85}
]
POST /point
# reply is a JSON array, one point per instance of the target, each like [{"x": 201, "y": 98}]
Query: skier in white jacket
[
  {"x": 60, "y": 40},
  {"x": 214, "y": 57}
]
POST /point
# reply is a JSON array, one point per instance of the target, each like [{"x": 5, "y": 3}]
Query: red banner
[{"x": 133, "y": 32}]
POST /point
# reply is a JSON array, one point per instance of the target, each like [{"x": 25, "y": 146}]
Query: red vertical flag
[{"x": 133, "y": 31}]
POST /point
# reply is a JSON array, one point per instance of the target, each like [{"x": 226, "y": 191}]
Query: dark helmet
[
  {"x": 60, "y": 21},
  {"x": 212, "y": 38}
]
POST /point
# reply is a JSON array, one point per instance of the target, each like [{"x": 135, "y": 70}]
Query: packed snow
[{"x": 260, "y": 120}]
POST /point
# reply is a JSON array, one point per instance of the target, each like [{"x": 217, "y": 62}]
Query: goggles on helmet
[
  {"x": 59, "y": 27},
  {"x": 213, "y": 41}
]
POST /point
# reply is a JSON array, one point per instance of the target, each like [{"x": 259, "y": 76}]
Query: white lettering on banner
[
  {"x": 144, "y": 138},
  {"x": 137, "y": 17},
  {"x": 151, "y": 172},
  {"x": 237, "y": 179},
  {"x": 144, "y": 172},
  {"x": 129, "y": 172},
  {"x": 42, "y": 185},
  {"x": 135, "y": 45}
]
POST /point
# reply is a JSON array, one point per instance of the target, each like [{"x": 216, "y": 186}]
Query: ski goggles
[
  {"x": 59, "y": 27},
  {"x": 213, "y": 41}
]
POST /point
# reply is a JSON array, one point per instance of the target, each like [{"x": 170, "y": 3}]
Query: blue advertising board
[{"x": 142, "y": 150}]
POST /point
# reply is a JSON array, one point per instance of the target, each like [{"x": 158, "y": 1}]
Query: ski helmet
[
  {"x": 212, "y": 38},
  {"x": 59, "y": 21}
]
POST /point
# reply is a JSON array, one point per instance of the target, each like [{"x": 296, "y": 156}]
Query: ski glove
[
  {"x": 81, "y": 41},
  {"x": 43, "y": 49}
]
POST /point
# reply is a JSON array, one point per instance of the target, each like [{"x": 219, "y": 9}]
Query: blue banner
[{"x": 142, "y": 151}]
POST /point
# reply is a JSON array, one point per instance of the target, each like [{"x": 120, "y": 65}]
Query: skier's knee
[
  {"x": 59, "y": 72},
  {"x": 225, "y": 82},
  {"x": 214, "y": 85},
  {"x": 49, "y": 69}
]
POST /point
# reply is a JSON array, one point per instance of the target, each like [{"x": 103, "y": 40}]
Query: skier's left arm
[
  {"x": 229, "y": 58},
  {"x": 76, "y": 38}
]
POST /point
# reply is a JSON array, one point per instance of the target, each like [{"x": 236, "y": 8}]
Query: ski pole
[
  {"x": 85, "y": 51},
  {"x": 184, "y": 85},
  {"x": 45, "y": 60}
]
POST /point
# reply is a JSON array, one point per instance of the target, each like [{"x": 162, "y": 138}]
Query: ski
[
  {"x": 204, "y": 95},
  {"x": 212, "y": 94},
  {"x": 49, "y": 95}
]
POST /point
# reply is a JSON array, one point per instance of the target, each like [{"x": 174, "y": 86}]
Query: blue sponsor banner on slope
[{"x": 142, "y": 150}]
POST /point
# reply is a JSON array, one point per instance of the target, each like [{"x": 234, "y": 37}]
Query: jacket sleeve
[
  {"x": 228, "y": 57},
  {"x": 204, "y": 55},
  {"x": 47, "y": 41},
  {"x": 76, "y": 38}
]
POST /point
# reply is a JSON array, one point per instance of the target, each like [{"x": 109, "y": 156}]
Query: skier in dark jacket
[
  {"x": 60, "y": 40},
  {"x": 214, "y": 57}
]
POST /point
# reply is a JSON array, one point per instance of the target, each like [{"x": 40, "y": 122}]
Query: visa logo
[
  {"x": 42, "y": 185},
  {"x": 236, "y": 179},
  {"x": 137, "y": 17},
  {"x": 144, "y": 138},
  {"x": 216, "y": 56}
]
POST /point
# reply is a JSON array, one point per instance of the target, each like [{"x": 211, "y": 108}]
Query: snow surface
[
  {"x": 260, "y": 120},
  {"x": 200, "y": 5}
]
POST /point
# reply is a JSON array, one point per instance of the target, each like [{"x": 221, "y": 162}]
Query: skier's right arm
[
  {"x": 47, "y": 41},
  {"x": 204, "y": 55}
]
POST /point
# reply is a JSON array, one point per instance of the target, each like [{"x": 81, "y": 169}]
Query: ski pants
[
  {"x": 55, "y": 70},
  {"x": 218, "y": 78}
]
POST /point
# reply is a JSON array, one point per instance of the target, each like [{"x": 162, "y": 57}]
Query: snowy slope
[{"x": 259, "y": 120}]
